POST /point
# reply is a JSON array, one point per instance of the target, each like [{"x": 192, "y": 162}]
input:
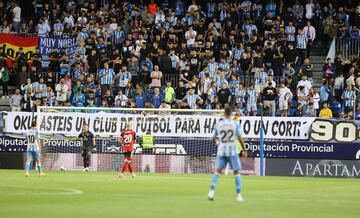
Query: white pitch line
[
  {"x": 63, "y": 191},
  {"x": 70, "y": 192}
]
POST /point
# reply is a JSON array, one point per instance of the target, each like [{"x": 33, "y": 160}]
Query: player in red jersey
[{"x": 127, "y": 139}]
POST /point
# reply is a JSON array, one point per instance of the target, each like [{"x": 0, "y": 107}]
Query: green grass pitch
[{"x": 103, "y": 195}]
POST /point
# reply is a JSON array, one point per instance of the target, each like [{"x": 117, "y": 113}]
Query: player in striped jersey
[
  {"x": 33, "y": 149},
  {"x": 226, "y": 135}
]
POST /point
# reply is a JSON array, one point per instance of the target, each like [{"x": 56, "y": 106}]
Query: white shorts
[
  {"x": 283, "y": 105},
  {"x": 251, "y": 108}
]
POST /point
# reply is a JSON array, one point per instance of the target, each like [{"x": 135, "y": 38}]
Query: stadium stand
[{"x": 188, "y": 54}]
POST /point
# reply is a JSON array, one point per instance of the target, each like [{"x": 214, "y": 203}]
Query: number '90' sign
[{"x": 326, "y": 130}]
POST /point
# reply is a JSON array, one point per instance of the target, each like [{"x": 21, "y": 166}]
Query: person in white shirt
[
  {"x": 305, "y": 83},
  {"x": 309, "y": 10},
  {"x": 123, "y": 99},
  {"x": 43, "y": 28},
  {"x": 302, "y": 97},
  {"x": 205, "y": 83},
  {"x": 15, "y": 101},
  {"x": 285, "y": 96},
  {"x": 159, "y": 19},
  {"x": 175, "y": 60},
  {"x": 69, "y": 20},
  {"x": 61, "y": 92},
  {"x": 16, "y": 17},
  {"x": 310, "y": 34},
  {"x": 315, "y": 98},
  {"x": 271, "y": 80},
  {"x": 190, "y": 36}
]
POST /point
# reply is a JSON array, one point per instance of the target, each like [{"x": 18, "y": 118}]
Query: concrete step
[
  {"x": 11, "y": 90},
  {"x": 4, "y": 101}
]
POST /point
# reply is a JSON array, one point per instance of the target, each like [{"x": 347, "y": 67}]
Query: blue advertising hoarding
[{"x": 201, "y": 147}]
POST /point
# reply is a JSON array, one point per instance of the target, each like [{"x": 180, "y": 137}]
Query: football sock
[
  {"x": 238, "y": 184},
  {"x": 130, "y": 168},
  {"x": 214, "y": 181},
  {"x": 124, "y": 167},
  {"x": 27, "y": 167},
  {"x": 39, "y": 168}
]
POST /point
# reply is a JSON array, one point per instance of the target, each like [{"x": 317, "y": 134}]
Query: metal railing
[
  {"x": 348, "y": 47},
  {"x": 175, "y": 78},
  {"x": 245, "y": 80}
]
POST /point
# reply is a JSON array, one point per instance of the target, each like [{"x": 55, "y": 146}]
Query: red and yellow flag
[{"x": 11, "y": 45}]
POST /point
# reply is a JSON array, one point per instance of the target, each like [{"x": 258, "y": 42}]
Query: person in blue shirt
[
  {"x": 139, "y": 98},
  {"x": 106, "y": 76},
  {"x": 324, "y": 92},
  {"x": 79, "y": 99},
  {"x": 91, "y": 105},
  {"x": 157, "y": 98}
]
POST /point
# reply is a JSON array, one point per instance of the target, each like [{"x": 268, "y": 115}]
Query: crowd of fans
[{"x": 187, "y": 54}]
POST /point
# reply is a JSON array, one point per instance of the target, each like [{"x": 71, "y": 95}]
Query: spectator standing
[
  {"x": 224, "y": 94},
  {"x": 348, "y": 97},
  {"x": 310, "y": 33},
  {"x": 251, "y": 101},
  {"x": 106, "y": 76},
  {"x": 61, "y": 92},
  {"x": 156, "y": 77},
  {"x": 16, "y": 17},
  {"x": 269, "y": 95},
  {"x": 4, "y": 77},
  {"x": 301, "y": 46},
  {"x": 285, "y": 96},
  {"x": 191, "y": 98},
  {"x": 28, "y": 101},
  {"x": 156, "y": 98},
  {"x": 169, "y": 93},
  {"x": 15, "y": 101}
]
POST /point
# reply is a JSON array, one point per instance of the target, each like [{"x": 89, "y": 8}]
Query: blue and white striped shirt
[
  {"x": 82, "y": 36},
  {"x": 249, "y": 28},
  {"x": 349, "y": 94},
  {"x": 225, "y": 66},
  {"x": 124, "y": 78},
  {"x": 227, "y": 132},
  {"x": 58, "y": 28},
  {"x": 107, "y": 76},
  {"x": 118, "y": 37},
  {"x": 220, "y": 81},
  {"x": 212, "y": 93},
  {"x": 237, "y": 53},
  {"x": 42, "y": 87},
  {"x": 301, "y": 41},
  {"x": 240, "y": 100},
  {"x": 271, "y": 7},
  {"x": 212, "y": 68},
  {"x": 262, "y": 80},
  {"x": 252, "y": 97},
  {"x": 191, "y": 100},
  {"x": 290, "y": 29},
  {"x": 32, "y": 137}
]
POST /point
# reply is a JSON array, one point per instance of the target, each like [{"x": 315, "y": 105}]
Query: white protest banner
[
  {"x": 105, "y": 124},
  {"x": 277, "y": 127}
]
